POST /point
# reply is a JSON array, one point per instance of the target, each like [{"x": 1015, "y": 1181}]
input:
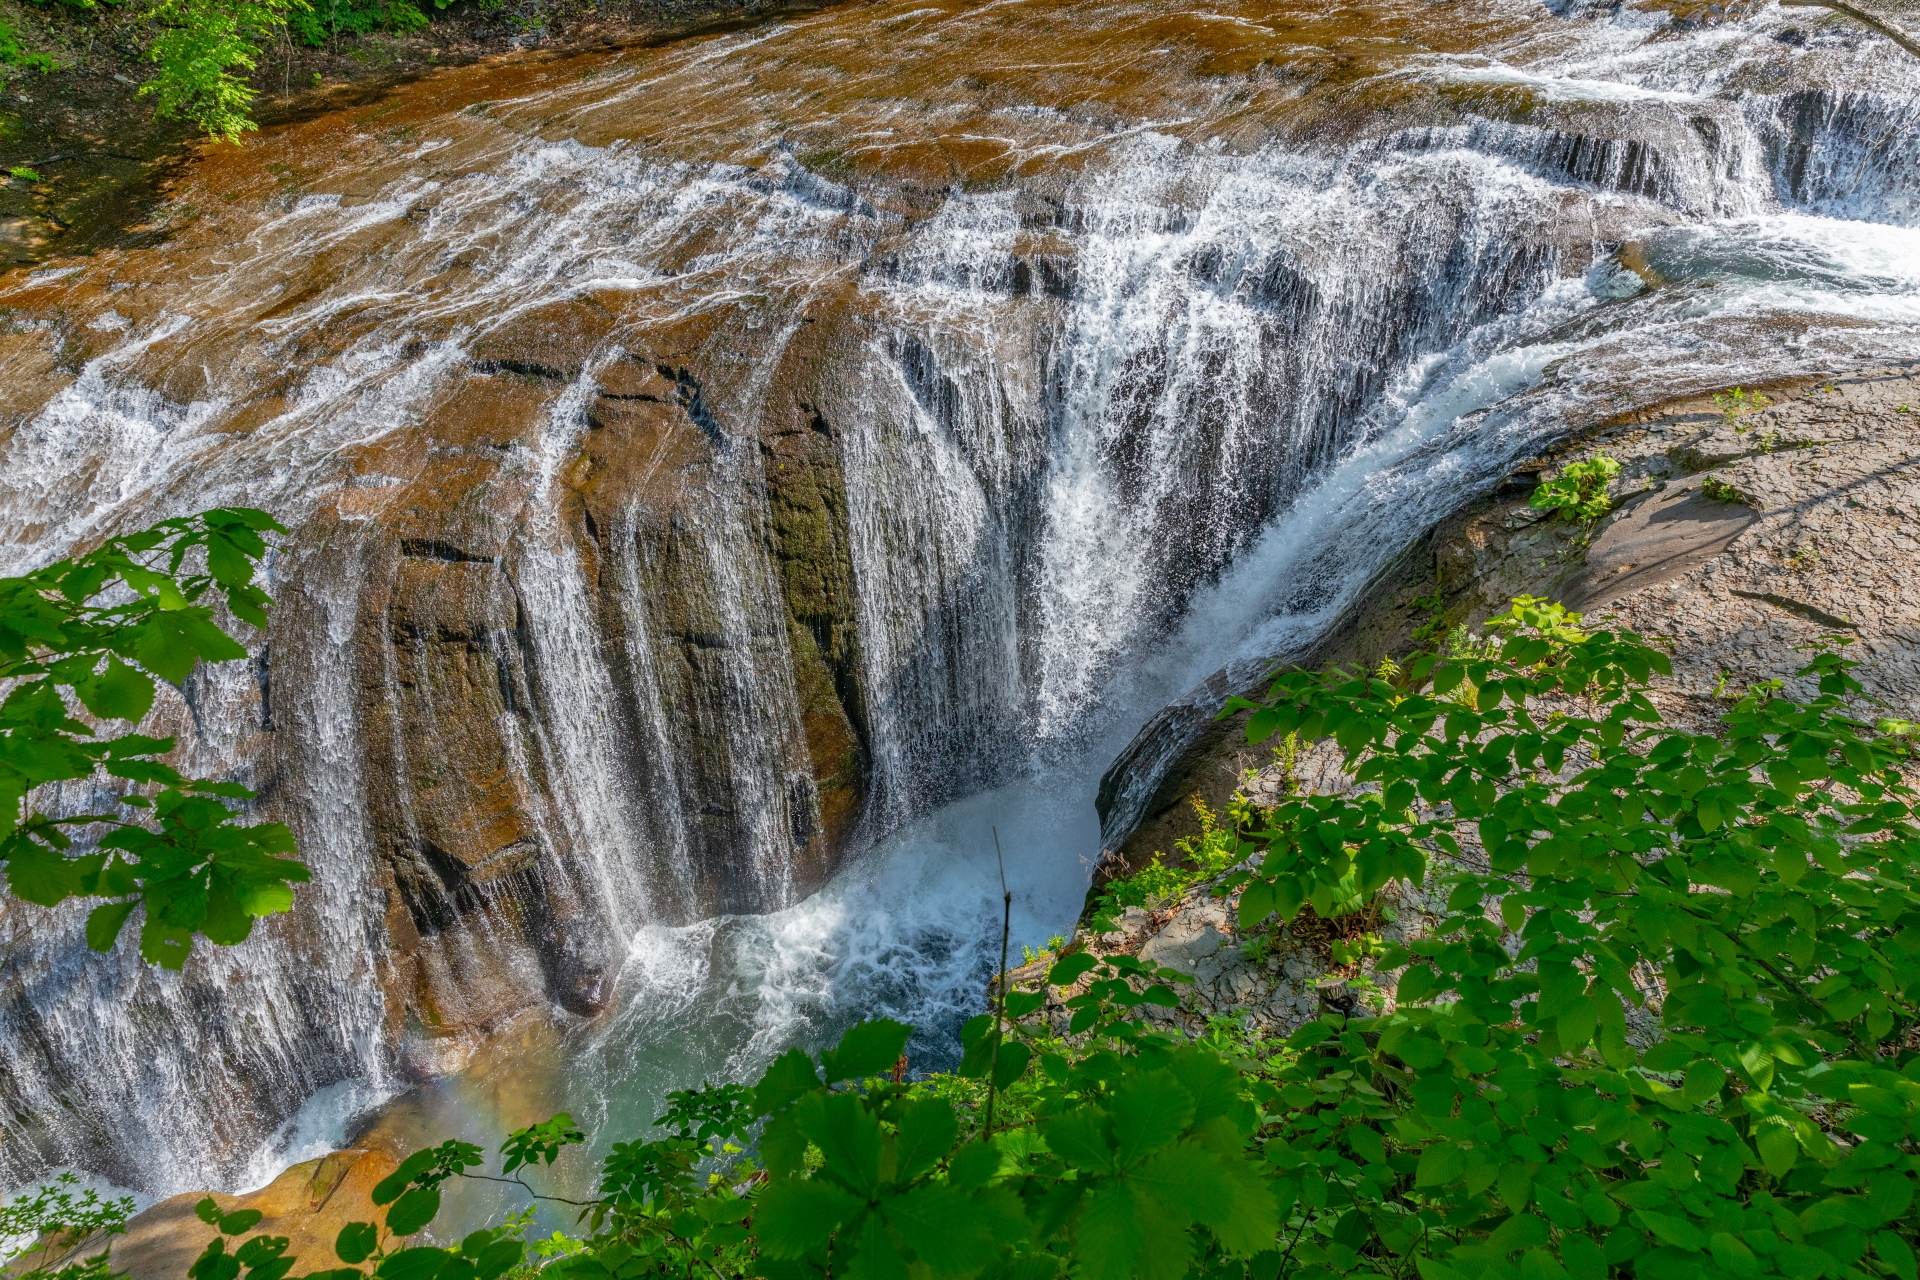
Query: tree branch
[{"x": 1885, "y": 28}]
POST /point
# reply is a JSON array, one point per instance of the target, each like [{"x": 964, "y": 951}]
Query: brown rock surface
[{"x": 308, "y": 1204}]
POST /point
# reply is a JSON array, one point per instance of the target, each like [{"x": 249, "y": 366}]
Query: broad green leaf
[
  {"x": 120, "y": 692},
  {"x": 355, "y": 1242},
  {"x": 973, "y": 1165},
  {"x": 40, "y": 875},
  {"x": 1439, "y": 1164},
  {"x": 928, "y": 1129},
  {"x": 1149, "y": 1110},
  {"x": 1070, "y": 969},
  {"x": 498, "y": 1258},
  {"x": 793, "y": 1215},
  {"x": 847, "y": 1135},
  {"x": 422, "y": 1263},
  {"x": 1673, "y": 1230},
  {"x": 1107, "y": 1234},
  {"x": 1188, "y": 1179},
  {"x": 867, "y": 1049},
  {"x": 413, "y": 1210},
  {"x": 1080, "y": 1137},
  {"x": 239, "y": 1222},
  {"x": 1891, "y": 1249},
  {"x": 104, "y": 923},
  {"x": 1889, "y": 1194},
  {"x": 943, "y": 1227},
  {"x": 1011, "y": 1063},
  {"x": 788, "y": 1077}
]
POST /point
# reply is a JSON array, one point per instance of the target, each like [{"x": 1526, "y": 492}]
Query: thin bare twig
[{"x": 1000, "y": 982}]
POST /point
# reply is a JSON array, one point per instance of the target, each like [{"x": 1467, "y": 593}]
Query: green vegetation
[
  {"x": 1665, "y": 1029},
  {"x": 1720, "y": 491},
  {"x": 203, "y": 50},
  {"x": 55, "y": 1216},
  {"x": 100, "y": 629},
  {"x": 1579, "y": 490},
  {"x": 1198, "y": 857},
  {"x": 1737, "y": 403}
]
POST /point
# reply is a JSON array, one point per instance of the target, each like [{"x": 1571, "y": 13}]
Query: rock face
[{"x": 1737, "y": 534}]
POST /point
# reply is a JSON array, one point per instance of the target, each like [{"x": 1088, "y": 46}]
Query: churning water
[{"x": 1128, "y": 380}]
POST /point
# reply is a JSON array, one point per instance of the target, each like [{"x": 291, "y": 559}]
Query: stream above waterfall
[{"x": 732, "y": 481}]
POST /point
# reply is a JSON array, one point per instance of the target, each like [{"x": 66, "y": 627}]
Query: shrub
[
  {"x": 322, "y": 20},
  {"x": 1579, "y": 490},
  {"x": 1515, "y": 1116},
  {"x": 1198, "y": 858}
]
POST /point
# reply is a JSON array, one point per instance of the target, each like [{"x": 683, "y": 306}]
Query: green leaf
[
  {"x": 1439, "y": 1164},
  {"x": 1674, "y": 1231},
  {"x": 413, "y": 1210},
  {"x": 1149, "y": 1110},
  {"x": 1779, "y": 1149},
  {"x": 1107, "y": 1235},
  {"x": 1521, "y": 1231},
  {"x": 793, "y": 1216},
  {"x": 422, "y": 1263},
  {"x": 1070, "y": 969},
  {"x": 499, "y": 1258},
  {"x": 848, "y": 1137},
  {"x": 1189, "y": 1178},
  {"x": 1891, "y": 1249},
  {"x": 239, "y": 1222},
  {"x": 944, "y": 1228},
  {"x": 867, "y": 1049},
  {"x": 1021, "y": 1003},
  {"x": 973, "y": 1165},
  {"x": 1080, "y": 1138},
  {"x": 121, "y": 692},
  {"x": 104, "y": 923},
  {"x": 40, "y": 875},
  {"x": 1012, "y": 1063},
  {"x": 928, "y": 1128},
  {"x": 788, "y": 1077},
  {"x": 1889, "y": 1194},
  {"x": 208, "y": 1211},
  {"x": 871, "y": 1252},
  {"x": 1732, "y": 1254},
  {"x": 355, "y": 1242}
]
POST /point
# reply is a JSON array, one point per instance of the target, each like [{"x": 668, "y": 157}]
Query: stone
[{"x": 308, "y": 1203}]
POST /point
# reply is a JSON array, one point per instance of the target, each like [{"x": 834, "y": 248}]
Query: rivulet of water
[{"x": 1102, "y": 385}]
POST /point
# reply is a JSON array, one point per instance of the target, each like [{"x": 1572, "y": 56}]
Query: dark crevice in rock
[{"x": 434, "y": 549}]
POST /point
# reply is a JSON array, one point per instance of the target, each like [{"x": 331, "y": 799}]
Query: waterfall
[{"x": 704, "y": 543}]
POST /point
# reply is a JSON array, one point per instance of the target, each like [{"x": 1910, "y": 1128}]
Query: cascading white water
[{"x": 1175, "y": 419}]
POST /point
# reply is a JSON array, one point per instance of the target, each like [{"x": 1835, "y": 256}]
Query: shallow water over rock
[{"x": 715, "y": 466}]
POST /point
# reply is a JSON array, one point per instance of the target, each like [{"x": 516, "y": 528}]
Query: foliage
[
  {"x": 1579, "y": 489},
  {"x": 1720, "y": 491},
  {"x": 21, "y": 171},
  {"x": 15, "y": 54},
  {"x": 1199, "y": 857},
  {"x": 1502, "y": 1120},
  {"x": 1515, "y": 1116},
  {"x": 98, "y": 629},
  {"x": 201, "y": 45},
  {"x": 1735, "y": 404},
  {"x": 323, "y": 20},
  {"x": 57, "y": 1218}
]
